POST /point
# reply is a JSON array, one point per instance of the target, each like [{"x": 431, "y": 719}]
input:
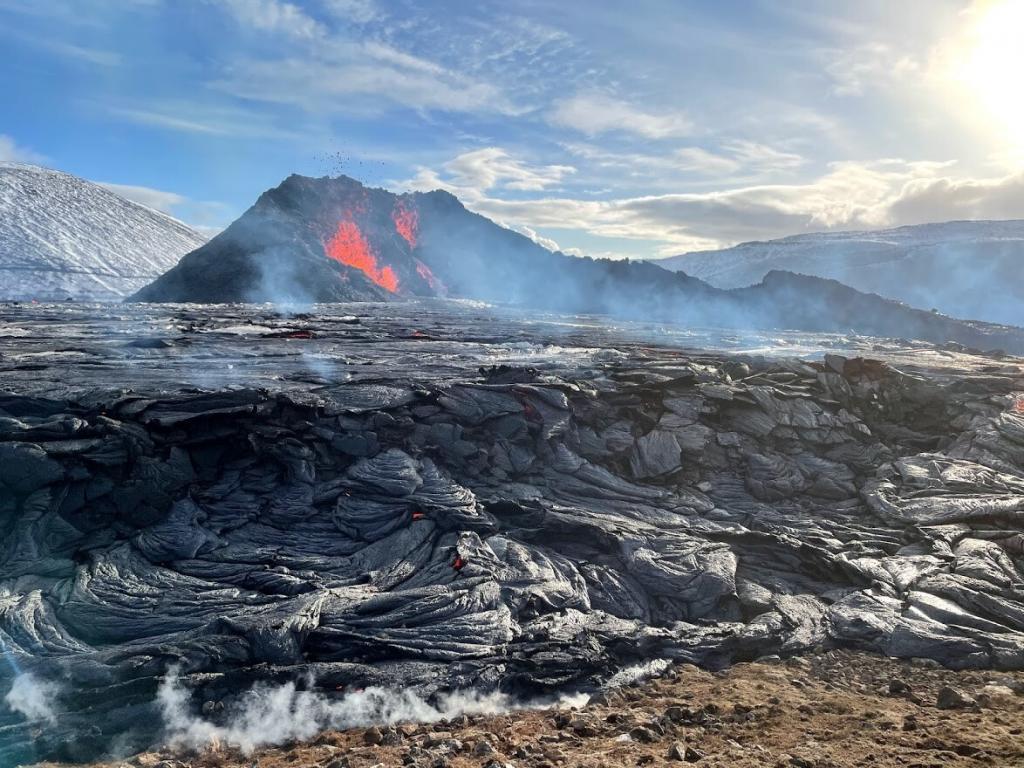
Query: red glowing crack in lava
[{"x": 350, "y": 247}]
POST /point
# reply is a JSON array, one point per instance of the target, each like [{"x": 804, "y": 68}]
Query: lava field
[{"x": 437, "y": 496}]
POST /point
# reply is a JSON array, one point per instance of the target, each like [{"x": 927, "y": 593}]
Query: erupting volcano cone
[{"x": 308, "y": 240}]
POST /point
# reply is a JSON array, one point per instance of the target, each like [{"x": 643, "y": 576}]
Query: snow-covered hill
[
  {"x": 969, "y": 269},
  {"x": 62, "y": 236}
]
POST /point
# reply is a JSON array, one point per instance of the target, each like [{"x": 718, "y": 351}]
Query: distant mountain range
[
  {"x": 64, "y": 237},
  {"x": 332, "y": 239},
  {"x": 962, "y": 268}
]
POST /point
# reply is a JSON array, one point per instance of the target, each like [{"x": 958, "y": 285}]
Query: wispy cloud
[
  {"x": 354, "y": 11},
  {"x": 595, "y": 113},
  {"x": 11, "y": 151},
  {"x": 326, "y": 84},
  {"x": 157, "y": 199},
  {"x": 200, "y": 118},
  {"x": 275, "y": 16},
  {"x": 81, "y": 53},
  {"x": 733, "y": 161},
  {"x": 869, "y": 64},
  {"x": 849, "y": 195},
  {"x": 735, "y": 157},
  {"x": 471, "y": 174},
  {"x": 207, "y": 217},
  {"x": 321, "y": 70}
]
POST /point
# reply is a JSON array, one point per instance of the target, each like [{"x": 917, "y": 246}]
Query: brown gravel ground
[{"x": 819, "y": 711}]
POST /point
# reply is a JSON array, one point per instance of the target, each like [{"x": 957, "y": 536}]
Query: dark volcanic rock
[
  {"x": 332, "y": 239},
  {"x": 523, "y": 533}
]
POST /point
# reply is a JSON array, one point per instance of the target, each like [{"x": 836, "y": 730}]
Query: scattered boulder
[{"x": 953, "y": 698}]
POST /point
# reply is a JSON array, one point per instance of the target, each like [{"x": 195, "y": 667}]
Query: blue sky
[{"x": 638, "y": 128}]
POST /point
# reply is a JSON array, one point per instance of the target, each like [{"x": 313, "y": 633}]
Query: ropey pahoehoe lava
[{"x": 433, "y": 498}]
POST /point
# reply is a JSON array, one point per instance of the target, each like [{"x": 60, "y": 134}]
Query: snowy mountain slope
[
  {"x": 970, "y": 269},
  {"x": 62, "y": 236}
]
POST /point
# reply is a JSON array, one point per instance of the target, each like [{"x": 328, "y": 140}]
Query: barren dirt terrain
[{"x": 833, "y": 709}]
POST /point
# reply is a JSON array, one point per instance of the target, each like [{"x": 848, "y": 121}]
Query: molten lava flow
[
  {"x": 1018, "y": 406},
  {"x": 350, "y": 248},
  {"x": 407, "y": 222},
  {"x": 435, "y": 285}
]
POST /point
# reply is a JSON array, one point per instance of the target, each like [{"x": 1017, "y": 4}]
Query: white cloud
[
  {"x": 322, "y": 71},
  {"x": 207, "y": 218},
  {"x": 322, "y": 81},
  {"x": 198, "y": 118},
  {"x": 734, "y": 157},
  {"x": 87, "y": 54},
  {"x": 275, "y": 16},
  {"x": 750, "y": 154},
  {"x": 703, "y": 161},
  {"x": 492, "y": 166},
  {"x": 595, "y": 113},
  {"x": 11, "y": 151},
  {"x": 156, "y": 199},
  {"x": 870, "y": 64},
  {"x": 849, "y": 195},
  {"x": 471, "y": 174},
  {"x": 738, "y": 159},
  {"x": 946, "y": 199},
  {"x": 355, "y": 11},
  {"x": 81, "y": 53}
]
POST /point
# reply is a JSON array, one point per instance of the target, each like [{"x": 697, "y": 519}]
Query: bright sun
[{"x": 991, "y": 67}]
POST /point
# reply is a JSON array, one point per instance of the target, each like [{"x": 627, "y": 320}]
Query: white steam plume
[
  {"x": 33, "y": 698},
  {"x": 267, "y": 715},
  {"x": 638, "y": 672}
]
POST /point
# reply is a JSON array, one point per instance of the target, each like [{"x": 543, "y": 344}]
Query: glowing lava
[
  {"x": 351, "y": 248},
  {"x": 435, "y": 285},
  {"x": 407, "y": 222}
]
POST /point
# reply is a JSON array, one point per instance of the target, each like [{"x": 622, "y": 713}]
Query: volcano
[{"x": 333, "y": 239}]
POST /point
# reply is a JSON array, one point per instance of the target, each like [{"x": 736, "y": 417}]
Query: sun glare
[{"x": 991, "y": 67}]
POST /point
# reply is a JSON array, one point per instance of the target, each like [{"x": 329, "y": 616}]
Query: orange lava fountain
[
  {"x": 406, "y": 222},
  {"x": 351, "y": 248}
]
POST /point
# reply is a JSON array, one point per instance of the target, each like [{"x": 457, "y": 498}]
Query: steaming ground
[
  {"x": 829, "y": 710},
  {"x": 236, "y": 525},
  {"x": 270, "y": 715},
  {"x": 65, "y": 349}
]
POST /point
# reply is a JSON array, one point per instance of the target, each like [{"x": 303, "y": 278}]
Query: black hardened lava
[{"x": 528, "y": 527}]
